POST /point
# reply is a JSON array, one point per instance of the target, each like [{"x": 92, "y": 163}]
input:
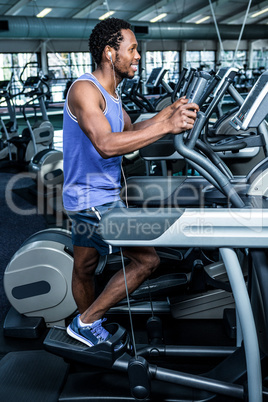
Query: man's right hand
[{"x": 183, "y": 116}]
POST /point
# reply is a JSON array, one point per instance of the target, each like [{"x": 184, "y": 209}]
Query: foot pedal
[{"x": 102, "y": 355}]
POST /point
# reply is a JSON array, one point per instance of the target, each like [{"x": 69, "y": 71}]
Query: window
[
  {"x": 204, "y": 60},
  {"x": 17, "y": 64},
  {"x": 240, "y": 60},
  {"x": 167, "y": 59},
  {"x": 260, "y": 59},
  {"x": 64, "y": 68},
  {"x": 171, "y": 63}
]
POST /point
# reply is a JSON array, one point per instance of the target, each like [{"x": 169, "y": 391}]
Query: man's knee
[
  {"x": 149, "y": 262},
  {"x": 85, "y": 262},
  {"x": 155, "y": 262}
]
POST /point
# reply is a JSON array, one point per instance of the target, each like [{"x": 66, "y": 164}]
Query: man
[{"x": 96, "y": 133}]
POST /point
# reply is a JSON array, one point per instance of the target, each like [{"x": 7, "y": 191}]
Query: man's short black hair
[{"x": 106, "y": 32}]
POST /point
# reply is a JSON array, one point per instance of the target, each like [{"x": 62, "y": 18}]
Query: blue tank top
[{"x": 90, "y": 180}]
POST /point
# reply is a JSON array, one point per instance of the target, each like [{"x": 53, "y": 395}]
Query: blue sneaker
[{"x": 90, "y": 335}]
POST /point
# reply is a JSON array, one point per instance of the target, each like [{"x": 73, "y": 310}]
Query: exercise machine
[
  {"x": 185, "y": 190},
  {"x": 146, "y": 102},
  {"x": 35, "y": 144},
  {"x": 133, "y": 100},
  {"x": 240, "y": 374},
  {"x": 9, "y": 128},
  {"x": 37, "y": 283},
  {"x": 46, "y": 162},
  {"x": 242, "y": 370}
]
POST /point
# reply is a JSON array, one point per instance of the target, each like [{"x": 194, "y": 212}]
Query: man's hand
[
  {"x": 183, "y": 116},
  {"x": 169, "y": 110}
]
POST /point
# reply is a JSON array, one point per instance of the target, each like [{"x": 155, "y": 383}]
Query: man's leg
[
  {"x": 144, "y": 261},
  {"x": 83, "y": 285}
]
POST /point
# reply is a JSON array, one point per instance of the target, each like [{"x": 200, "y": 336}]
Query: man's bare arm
[
  {"x": 159, "y": 116},
  {"x": 86, "y": 103}
]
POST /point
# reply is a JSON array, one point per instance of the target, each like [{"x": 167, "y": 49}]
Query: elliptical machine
[
  {"x": 46, "y": 163},
  {"x": 35, "y": 144},
  {"x": 187, "y": 227},
  {"x": 245, "y": 226},
  {"x": 131, "y": 92},
  {"x": 9, "y": 129}
]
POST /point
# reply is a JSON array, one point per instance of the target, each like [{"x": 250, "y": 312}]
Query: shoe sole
[{"x": 78, "y": 337}]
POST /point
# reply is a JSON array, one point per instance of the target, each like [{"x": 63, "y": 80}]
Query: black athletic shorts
[{"x": 85, "y": 225}]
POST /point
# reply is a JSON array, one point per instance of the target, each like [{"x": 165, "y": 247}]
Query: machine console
[
  {"x": 254, "y": 108},
  {"x": 31, "y": 82},
  {"x": 128, "y": 85},
  {"x": 224, "y": 73},
  {"x": 155, "y": 77},
  {"x": 4, "y": 85}
]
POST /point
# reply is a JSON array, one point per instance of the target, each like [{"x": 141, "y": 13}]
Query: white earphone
[{"x": 110, "y": 56}]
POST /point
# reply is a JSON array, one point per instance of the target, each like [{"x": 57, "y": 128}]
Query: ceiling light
[
  {"x": 193, "y": 19},
  {"x": 44, "y": 12},
  {"x": 203, "y": 19},
  {"x": 159, "y": 17},
  {"x": 106, "y": 15},
  {"x": 259, "y": 13}
]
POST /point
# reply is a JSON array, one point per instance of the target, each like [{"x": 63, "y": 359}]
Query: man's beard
[{"x": 120, "y": 73}]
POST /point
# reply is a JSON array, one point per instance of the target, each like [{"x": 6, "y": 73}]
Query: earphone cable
[{"x": 129, "y": 308}]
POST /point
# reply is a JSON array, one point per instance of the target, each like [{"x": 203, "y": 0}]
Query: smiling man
[{"x": 96, "y": 133}]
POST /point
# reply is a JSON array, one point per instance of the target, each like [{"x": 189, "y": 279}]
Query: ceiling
[
  {"x": 179, "y": 13},
  {"x": 186, "y": 11}
]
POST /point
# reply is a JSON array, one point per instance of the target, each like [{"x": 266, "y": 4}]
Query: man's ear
[{"x": 108, "y": 53}]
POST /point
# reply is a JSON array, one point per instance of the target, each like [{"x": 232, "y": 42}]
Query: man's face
[{"x": 127, "y": 57}]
